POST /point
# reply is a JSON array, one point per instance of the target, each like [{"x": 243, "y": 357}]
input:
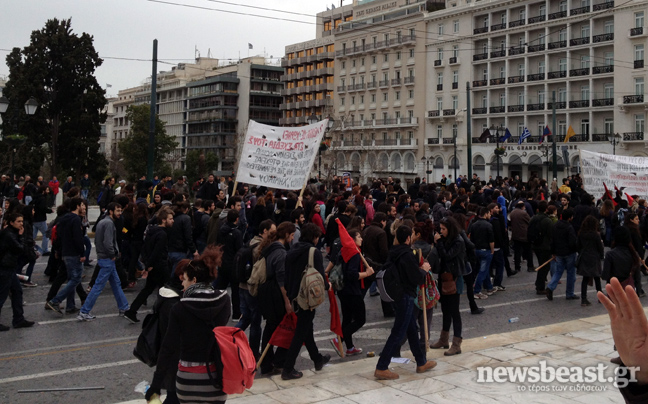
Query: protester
[{"x": 590, "y": 254}]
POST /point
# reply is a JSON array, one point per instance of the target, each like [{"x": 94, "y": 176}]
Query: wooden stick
[
  {"x": 234, "y": 188},
  {"x": 538, "y": 268},
  {"x": 265, "y": 352},
  {"x": 339, "y": 339},
  {"x": 425, "y": 324}
]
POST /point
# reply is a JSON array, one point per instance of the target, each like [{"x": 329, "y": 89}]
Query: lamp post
[
  {"x": 494, "y": 131},
  {"x": 454, "y": 163},
  {"x": 613, "y": 139},
  {"x": 545, "y": 153},
  {"x": 16, "y": 140},
  {"x": 313, "y": 119}
]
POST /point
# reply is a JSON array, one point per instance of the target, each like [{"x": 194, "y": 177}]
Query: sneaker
[
  {"x": 336, "y": 346},
  {"x": 24, "y": 324},
  {"x": 53, "y": 307},
  {"x": 4, "y": 328},
  {"x": 85, "y": 316},
  {"x": 121, "y": 313},
  {"x": 71, "y": 311},
  {"x": 585, "y": 303},
  {"x": 549, "y": 293},
  {"x": 291, "y": 375},
  {"x": 130, "y": 316},
  {"x": 491, "y": 292},
  {"x": 325, "y": 359},
  {"x": 481, "y": 296},
  {"x": 353, "y": 351},
  {"x": 30, "y": 284},
  {"x": 479, "y": 310},
  {"x": 499, "y": 288}
]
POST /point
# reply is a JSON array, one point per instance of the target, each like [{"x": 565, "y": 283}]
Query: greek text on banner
[
  {"x": 279, "y": 157},
  {"x": 626, "y": 172}
]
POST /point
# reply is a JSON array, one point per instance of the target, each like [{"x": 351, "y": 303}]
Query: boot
[
  {"x": 456, "y": 347},
  {"x": 442, "y": 342}
]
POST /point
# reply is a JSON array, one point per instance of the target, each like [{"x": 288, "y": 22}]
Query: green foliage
[
  {"x": 57, "y": 69},
  {"x": 134, "y": 149},
  {"x": 198, "y": 164}
]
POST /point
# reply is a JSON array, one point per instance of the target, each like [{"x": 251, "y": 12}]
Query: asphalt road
[{"x": 60, "y": 352}]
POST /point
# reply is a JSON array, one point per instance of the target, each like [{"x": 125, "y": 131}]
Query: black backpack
[
  {"x": 243, "y": 263},
  {"x": 389, "y": 283},
  {"x": 534, "y": 232}
]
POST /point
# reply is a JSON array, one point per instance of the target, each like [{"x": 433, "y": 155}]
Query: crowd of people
[{"x": 199, "y": 256}]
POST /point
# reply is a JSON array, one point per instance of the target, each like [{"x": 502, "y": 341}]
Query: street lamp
[
  {"x": 545, "y": 153},
  {"x": 494, "y": 131},
  {"x": 454, "y": 163},
  {"x": 313, "y": 119},
  {"x": 14, "y": 141},
  {"x": 613, "y": 139}
]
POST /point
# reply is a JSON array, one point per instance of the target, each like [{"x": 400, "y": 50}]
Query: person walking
[
  {"x": 590, "y": 254},
  {"x": 41, "y": 209},
  {"x": 564, "y": 245},
  {"x": 482, "y": 235},
  {"x": 541, "y": 242},
  {"x": 231, "y": 238},
  {"x": 519, "y": 228},
  {"x": 107, "y": 253},
  {"x": 411, "y": 276}
]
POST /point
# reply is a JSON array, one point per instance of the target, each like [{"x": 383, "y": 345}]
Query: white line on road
[
  {"x": 70, "y": 319},
  {"x": 66, "y": 371},
  {"x": 59, "y": 347}
]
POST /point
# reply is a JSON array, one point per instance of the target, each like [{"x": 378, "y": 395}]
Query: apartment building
[
  {"x": 220, "y": 106},
  {"x": 121, "y": 125},
  {"x": 380, "y": 98},
  {"x": 515, "y": 55}
]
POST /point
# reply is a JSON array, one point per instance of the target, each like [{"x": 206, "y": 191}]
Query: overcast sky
[{"x": 126, "y": 29}]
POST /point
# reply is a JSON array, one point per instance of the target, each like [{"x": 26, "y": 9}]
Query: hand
[
  {"x": 426, "y": 267},
  {"x": 492, "y": 252},
  {"x": 369, "y": 271},
  {"x": 82, "y": 259},
  {"x": 289, "y": 308},
  {"x": 437, "y": 236},
  {"x": 629, "y": 326},
  {"x": 21, "y": 231}
]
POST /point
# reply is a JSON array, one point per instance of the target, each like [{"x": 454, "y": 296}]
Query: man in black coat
[
  {"x": 564, "y": 246},
  {"x": 231, "y": 238}
]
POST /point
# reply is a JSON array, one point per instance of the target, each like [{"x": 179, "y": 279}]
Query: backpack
[
  {"x": 237, "y": 360},
  {"x": 534, "y": 233},
  {"x": 257, "y": 276},
  {"x": 99, "y": 197},
  {"x": 336, "y": 277},
  {"x": 311, "y": 289},
  {"x": 389, "y": 283},
  {"x": 149, "y": 340},
  {"x": 244, "y": 262}
]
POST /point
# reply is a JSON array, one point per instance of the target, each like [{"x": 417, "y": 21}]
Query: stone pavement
[{"x": 578, "y": 343}]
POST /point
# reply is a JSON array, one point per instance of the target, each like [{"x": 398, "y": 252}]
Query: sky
[{"x": 126, "y": 29}]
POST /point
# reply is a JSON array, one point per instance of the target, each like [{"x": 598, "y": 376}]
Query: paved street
[{"x": 60, "y": 352}]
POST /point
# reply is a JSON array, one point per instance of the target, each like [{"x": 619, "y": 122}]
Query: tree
[
  {"x": 198, "y": 164},
  {"x": 134, "y": 149},
  {"x": 57, "y": 69}
]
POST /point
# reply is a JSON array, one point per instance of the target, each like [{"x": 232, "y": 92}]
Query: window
[
  {"x": 411, "y": 53},
  {"x": 639, "y": 19},
  {"x": 397, "y": 95},
  {"x": 454, "y": 130},
  {"x": 398, "y": 55},
  {"x": 353, "y": 100},
  {"x": 609, "y": 27},
  {"x": 520, "y": 98},
  {"x": 455, "y": 51},
  {"x": 502, "y": 73},
  {"x": 397, "y": 115},
  {"x": 639, "y": 52},
  {"x": 344, "y": 65},
  {"x": 541, "y": 97},
  {"x": 520, "y": 128},
  {"x": 585, "y": 31},
  {"x": 455, "y": 102},
  {"x": 485, "y": 74},
  {"x": 486, "y": 21},
  {"x": 385, "y": 116},
  {"x": 410, "y": 73},
  {"x": 342, "y": 82},
  {"x": 609, "y": 58},
  {"x": 439, "y": 131},
  {"x": 562, "y": 65},
  {"x": 362, "y": 99},
  {"x": 412, "y": 32},
  {"x": 639, "y": 85},
  {"x": 440, "y": 29},
  {"x": 585, "y": 61},
  {"x": 608, "y": 90},
  {"x": 484, "y": 103},
  {"x": 439, "y": 78},
  {"x": 562, "y": 95},
  {"x": 585, "y": 126},
  {"x": 373, "y": 59},
  {"x": 353, "y": 63},
  {"x": 584, "y": 93},
  {"x": 385, "y": 76},
  {"x": 562, "y": 6},
  {"x": 503, "y": 18},
  {"x": 562, "y": 35},
  {"x": 385, "y": 97},
  {"x": 541, "y": 38},
  {"x": 543, "y": 9},
  {"x": 362, "y": 60},
  {"x": 439, "y": 103},
  {"x": 455, "y": 26},
  {"x": 386, "y": 57},
  {"x": 562, "y": 128},
  {"x": 411, "y": 94},
  {"x": 541, "y": 126},
  {"x": 342, "y": 101},
  {"x": 373, "y": 98},
  {"x": 440, "y": 54},
  {"x": 541, "y": 67},
  {"x": 455, "y": 76},
  {"x": 502, "y": 98},
  {"x": 521, "y": 69},
  {"x": 373, "y": 79},
  {"x": 609, "y": 125}
]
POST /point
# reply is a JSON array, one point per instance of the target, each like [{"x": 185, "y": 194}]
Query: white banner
[
  {"x": 630, "y": 173},
  {"x": 279, "y": 157}
]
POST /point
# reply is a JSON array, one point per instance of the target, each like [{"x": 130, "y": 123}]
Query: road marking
[
  {"x": 68, "y": 350},
  {"x": 513, "y": 302},
  {"x": 69, "y": 320},
  {"x": 67, "y": 371},
  {"x": 105, "y": 341}
]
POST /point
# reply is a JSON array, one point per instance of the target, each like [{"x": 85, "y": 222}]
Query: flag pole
[
  {"x": 425, "y": 324},
  {"x": 265, "y": 352}
]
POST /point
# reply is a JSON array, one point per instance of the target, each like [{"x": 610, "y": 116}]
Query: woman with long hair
[
  {"x": 452, "y": 256},
  {"x": 590, "y": 254},
  {"x": 422, "y": 241},
  {"x": 190, "y": 335},
  {"x": 606, "y": 213},
  {"x": 471, "y": 259},
  {"x": 632, "y": 221}
]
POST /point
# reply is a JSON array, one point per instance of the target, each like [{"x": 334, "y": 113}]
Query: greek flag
[{"x": 525, "y": 134}]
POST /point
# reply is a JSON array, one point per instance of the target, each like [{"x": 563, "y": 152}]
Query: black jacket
[
  {"x": 155, "y": 252},
  {"x": 296, "y": 262},
  {"x": 374, "y": 244},
  {"x": 208, "y": 191},
  {"x": 564, "y": 241},
  {"x": 452, "y": 254},
  {"x": 40, "y": 208},
  {"x": 618, "y": 263},
  {"x": 406, "y": 260},
  {"x": 590, "y": 254},
  {"x": 70, "y": 230},
  {"x": 180, "y": 236},
  {"x": 481, "y": 233},
  {"x": 232, "y": 240},
  {"x": 11, "y": 247}
]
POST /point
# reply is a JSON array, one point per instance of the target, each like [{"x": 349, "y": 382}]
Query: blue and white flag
[
  {"x": 507, "y": 136},
  {"x": 525, "y": 134}
]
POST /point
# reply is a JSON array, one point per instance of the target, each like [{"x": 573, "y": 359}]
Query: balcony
[
  {"x": 360, "y": 86},
  {"x": 557, "y": 75},
  {"x": 448, "y": 112},
  {"x": 559, "y": 14},
  {"x": 498, "y": 81},
  {"x": 636, "y": 31},
  {"x": 455, "y": 85},
  {"x": 434, "y": 114},
  {"x": 603, "y": 102},
  {"x": 579, "y": 72},
  {"x": 535, "y": 77},
  {"x": 497, "y": 27},
  {"x": 383, "y": 83},
  {"x": 579, "y": 41},
  {"x": 453, "y": 60},
  {"x": 372, "y": 85},
  {"x": 579, "y": 10},
  {"x": 480, "y": 56},
  {"x": 439, "y": 87},
  {"x": 409, "y": 80},
  {"x": 536, "y": 19},
  {"x": 633, "y": 99},
  {"x": 638, "y": 64},
  {"x": 480, "y": 30},
  {"x": 574, "y": 139},
  {"x": 517, "y": 23},
  {"x": 479, "y": 111},
  {"x": 516, "y": 108},
  {"x": 600, "y": 137},
  {"x": 579, "y": 104},
  {"x": 633, "y": 136},
  {"x": 516, "y": 79},
  {"x": 438, "y": 62},
  {"x": 603, "y": 69},
  {"x": 480, "y": 83},
  {"x": 498, "y": 54},
  {"x": 496, "y": 110},
  {"x": 516, "y": 51},
  {"x": 557, "y": 45},
  {"x": 559, "y": 105},
  {"x": 537, "y": 48},
  {"x": 433, "y": 140},
  {"x": 341, "y": 89},
  {"x": 603, "y": 37},
  {"x": 448, "y": 140},
  {"x": 396, "y": 82},
  {"x": 604, "y": 6},
  {"x": 536, "y": 107}
]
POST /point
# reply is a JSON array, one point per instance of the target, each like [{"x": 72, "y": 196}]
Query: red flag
[
  {"x": 336, "y": 323},
  {"x": 283, "y": 335},
  {"x": 630, "y": 199},
  {"x": 609, "y": 195},
  {"x": 542, "y": 198},
  {"x": 349, "y": 247}
]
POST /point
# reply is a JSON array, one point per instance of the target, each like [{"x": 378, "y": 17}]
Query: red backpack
[{"x": 239, "y": 364}]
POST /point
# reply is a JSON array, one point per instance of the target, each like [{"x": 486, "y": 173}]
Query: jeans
[
  {"x": 42, "y": 227},
  {"x": 9, "y": 283},
  {"x": 84, "y": 194},
  {"x": 565, "y": 263},
  {"x": 485, "y": 257},
  {"x": 174, "y": 258},
  {"x": 303, "y": 336},
  {"x": 108, "y": 273},
  {"x": 22, "y": 261},
  {"x": 88, "y": 248},
  {"x": 28, "y": 199},
  {"x": 250, "y": 317},
  {"x": 74, "y": 271},
  {"x": 498, "y": 263},
  {"x": 404, "y": 324}
]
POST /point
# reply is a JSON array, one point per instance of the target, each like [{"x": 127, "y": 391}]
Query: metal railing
[
  {"x": 516, "y": 108},
  {"x": 633, "y": 136},
  {"x": 517, "y": 50},
  {"x": 579, "y": 104},
  {"x": 539, "y": 18},
  {"x": 603, "y": 102},
  {"x": 480, "y": 30},
  {"x": 535, "y": 77},
  {"x": 558, "y": 14},
  {"x": 557, "y": 44},
  {"x": 497, "y": 81},
  {"x": 579, "y": 10},
  {"x": 479, "y": 111},
  {"x": 603, "y": 69},
  {"x": 516, "y": 23},
  {"x": 633, "y": 99},
  {"x": 537, "y": 48},
  {"x": 557, "y": 75},
  {"x": 516, "y": 79},
  {"x": 579, "y": 72},
  {"x": 603, "y": 37}
]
